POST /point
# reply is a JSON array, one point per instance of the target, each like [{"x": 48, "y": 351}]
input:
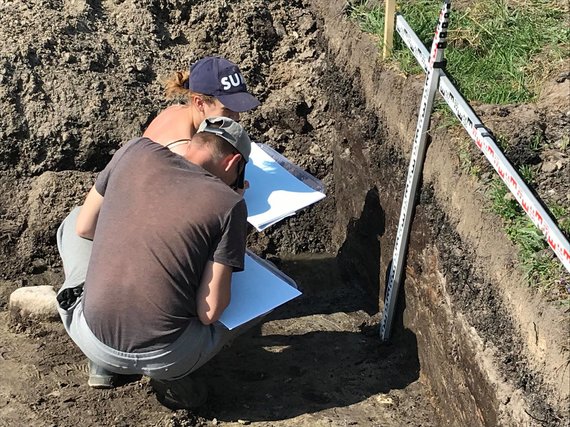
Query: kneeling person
[{"x": 145, "y": 294}]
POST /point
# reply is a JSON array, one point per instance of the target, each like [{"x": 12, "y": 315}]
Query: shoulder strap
[{"x": 176, "y": 143}]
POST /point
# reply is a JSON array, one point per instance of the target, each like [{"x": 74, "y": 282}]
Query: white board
[
  {"x": 257, "y": 290},
  {"x": 275, "y": 193}
]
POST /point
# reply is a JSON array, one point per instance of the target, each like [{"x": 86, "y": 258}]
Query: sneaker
[
  {"x": 100, "y": 377},
  {"x": 184, "y": 393}
]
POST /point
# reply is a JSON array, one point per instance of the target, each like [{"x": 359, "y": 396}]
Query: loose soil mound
[{"x": 84, "y": 77}]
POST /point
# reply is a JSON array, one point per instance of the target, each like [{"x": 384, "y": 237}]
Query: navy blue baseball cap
[{"x": 218, "y": 77}]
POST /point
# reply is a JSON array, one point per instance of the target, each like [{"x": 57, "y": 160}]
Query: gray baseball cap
[{"x": 229, "y": 130}]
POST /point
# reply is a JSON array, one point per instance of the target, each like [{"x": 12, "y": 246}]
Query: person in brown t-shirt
[{"x": 168, "y": 231}]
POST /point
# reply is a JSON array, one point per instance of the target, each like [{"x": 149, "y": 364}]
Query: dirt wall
[
  {"x": 492, "y": 349},
  {"x": 86, "y": 78},
  {"x": 470, "y": 340}
]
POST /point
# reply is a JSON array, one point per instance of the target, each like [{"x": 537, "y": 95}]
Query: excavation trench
[
  {"x": 477, "y": 350},
  {"x": 471, "y": 344}
]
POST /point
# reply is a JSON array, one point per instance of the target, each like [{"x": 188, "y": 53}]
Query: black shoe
[
  {"x": 100, "y": 377},
  {"x": 184, "y": 393}
]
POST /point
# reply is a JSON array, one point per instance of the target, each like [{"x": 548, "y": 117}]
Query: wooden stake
[{"x": 389, "y": 18}]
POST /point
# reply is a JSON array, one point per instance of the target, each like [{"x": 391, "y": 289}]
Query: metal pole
[
  {"x": 436, "y": 62},
  {"x": 526, "y": 198}
]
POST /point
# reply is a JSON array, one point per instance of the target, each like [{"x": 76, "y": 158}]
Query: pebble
[
  {"x": 562, "y": 77},
  {"x": 549, "y": 167},
  {"x": 279, "y": 29},
  {"x": 509, "y": 196},
  {"x": 384, "y": 400}
]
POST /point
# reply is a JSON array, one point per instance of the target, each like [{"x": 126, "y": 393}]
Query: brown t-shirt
[{"x": 161, "y": 220}]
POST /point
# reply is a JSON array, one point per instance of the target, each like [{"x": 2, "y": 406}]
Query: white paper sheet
[
  {"x": 255, "y": 291},
  {"x": 274, "y": 192}
]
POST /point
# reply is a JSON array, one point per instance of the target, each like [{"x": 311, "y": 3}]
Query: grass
[
  {"x": 543, "y": 270},
  {"x": 499, "y": 52},
  {"x": 538, "y": 261}
]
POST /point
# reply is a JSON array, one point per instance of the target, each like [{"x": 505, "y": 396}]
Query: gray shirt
[{"x": 162, "y": 219}]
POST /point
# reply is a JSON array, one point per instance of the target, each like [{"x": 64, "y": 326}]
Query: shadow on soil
[
  {"x": 359, "y": 255},
  {"x": 316, "y": 352}
]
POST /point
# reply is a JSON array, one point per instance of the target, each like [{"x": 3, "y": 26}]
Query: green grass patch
[
  {"x": 539, "y": 262},
  {"x": 498, "y": 52}
]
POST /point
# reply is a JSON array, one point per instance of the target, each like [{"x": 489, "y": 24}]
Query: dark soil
[
  {"x": 86, "y": 79},
  {"x": 81, "y": 77}
]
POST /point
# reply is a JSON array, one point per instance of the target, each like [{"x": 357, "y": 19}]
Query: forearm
[
  {"x": 88, "y": 215},
  {"x": 214, "y": 293}
]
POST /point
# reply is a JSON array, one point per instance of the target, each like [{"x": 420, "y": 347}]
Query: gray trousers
[{"x": 197, "y": 344}]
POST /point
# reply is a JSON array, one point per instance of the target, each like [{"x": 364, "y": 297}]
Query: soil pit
[{"x": 86, "y": 78}]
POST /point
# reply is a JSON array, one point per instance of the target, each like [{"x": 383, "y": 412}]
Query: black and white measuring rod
[
  {"x": 486, "y": 143},
  {"x": 434, "y": 66}
]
